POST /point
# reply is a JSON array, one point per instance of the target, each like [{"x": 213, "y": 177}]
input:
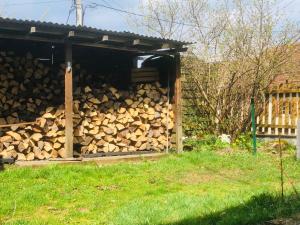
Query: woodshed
[{"x": 68, "y": 91}]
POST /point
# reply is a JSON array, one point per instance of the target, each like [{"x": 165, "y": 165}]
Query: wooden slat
[
  {"x": 144, "y": 75},
  {"x": 274, "y": 109},
  {"x": 283, "y": 113},
  {"x": 270, "y": 113},
  {"x": 144, "y": 69},
  {"x": 277, "y": 113},
  {"x": 276, "y": 126}
]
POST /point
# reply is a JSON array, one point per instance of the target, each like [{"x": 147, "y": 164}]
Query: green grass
[{"x": 193, "y": 188}]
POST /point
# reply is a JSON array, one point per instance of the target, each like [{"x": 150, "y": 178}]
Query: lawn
[{"x": 192, "y": 188}]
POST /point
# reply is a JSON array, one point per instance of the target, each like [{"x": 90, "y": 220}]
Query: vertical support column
[
  {"x": 178, "y": 105},
  {"x": 68, "y": 102}
]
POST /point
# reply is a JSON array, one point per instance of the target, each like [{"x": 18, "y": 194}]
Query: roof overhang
[{"x": 87, "y": 36}]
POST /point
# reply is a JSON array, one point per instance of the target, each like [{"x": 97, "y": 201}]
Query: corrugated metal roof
[{"x": 127, "y": 34}]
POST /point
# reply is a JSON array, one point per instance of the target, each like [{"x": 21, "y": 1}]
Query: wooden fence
[{"x": 281, "y": 111}]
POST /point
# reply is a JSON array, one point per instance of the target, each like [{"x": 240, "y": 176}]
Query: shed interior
[{"x": 111, "y": 112}]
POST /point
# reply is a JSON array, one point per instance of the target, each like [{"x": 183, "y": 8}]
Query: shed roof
[{"x": 85, "y": 36}]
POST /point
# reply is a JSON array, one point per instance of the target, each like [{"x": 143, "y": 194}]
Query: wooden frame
[{"x": 178, "y": 104}]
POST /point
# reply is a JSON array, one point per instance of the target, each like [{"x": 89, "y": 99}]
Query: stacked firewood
[
  {"x": 40, "y": 140},
  {"x": 110, "y": 120},
  {"x": 106, "y": 119}
]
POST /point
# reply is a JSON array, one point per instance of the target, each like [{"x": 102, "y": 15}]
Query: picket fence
[{"x": 280, "y": 114}]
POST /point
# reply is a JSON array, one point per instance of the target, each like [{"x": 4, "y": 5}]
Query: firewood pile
[{"x": 106, "y": 119}]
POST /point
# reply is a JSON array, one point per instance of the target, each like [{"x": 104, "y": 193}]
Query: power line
[
  {"x": 34, "y": 3},
  {"x": 138, "y": 14}
]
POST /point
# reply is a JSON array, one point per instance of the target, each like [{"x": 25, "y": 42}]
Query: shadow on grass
[{"x": 258, "y": 210}]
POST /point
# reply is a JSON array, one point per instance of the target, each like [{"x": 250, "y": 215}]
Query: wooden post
[
  {"x": 178, "y": 105},
  {"x": 298, "y": 140},
  {"x": 68, "y": 102}
]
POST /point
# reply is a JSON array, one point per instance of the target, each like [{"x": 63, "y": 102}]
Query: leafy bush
[
  {"x": 243, "y": 142},
  {"x": 207, "y": 142}
]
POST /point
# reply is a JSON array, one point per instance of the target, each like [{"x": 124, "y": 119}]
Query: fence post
[{"x": 298, "y": 140}]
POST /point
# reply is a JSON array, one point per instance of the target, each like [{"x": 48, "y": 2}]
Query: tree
[{"x": 241, "y": 46}]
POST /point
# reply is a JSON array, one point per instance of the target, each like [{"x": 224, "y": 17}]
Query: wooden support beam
[
  {"x": 167, "y": 46},
  {"x": 178, "y": 105},
  {"x": 112, "y": 39},
  {"x": 139, "y": 42},
  {"x": 37, "y": 31},
  {"x": 68, "y": 102},
  {"x": 81, "y": 36}
]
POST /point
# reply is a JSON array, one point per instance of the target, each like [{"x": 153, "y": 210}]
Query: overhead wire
[
  {"x": 34, "y": 3},
  {"x": 138, "y": 14}
]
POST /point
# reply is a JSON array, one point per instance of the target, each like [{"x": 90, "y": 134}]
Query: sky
[{"x": 57, "y": 11}]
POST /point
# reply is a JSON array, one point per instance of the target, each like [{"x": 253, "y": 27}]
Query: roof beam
[
  {"x": 167, "y": 46},
  {"x": 109, "y": 38},
  {"x": 31, "y": 38},
  {"x": 139, "y": 42},
  {"x": 80, "y": 36},
  {"x": 38, "y": 31},
  {"x": 10, "y": 28}
]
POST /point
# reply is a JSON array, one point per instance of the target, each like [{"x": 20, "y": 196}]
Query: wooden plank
[
  {"x": 270, "y": 113},
  {"x": 69, "y": 102},
  {"x": 144, "y": 74},
  {"x": 274, "y": 110},
  {"x": 277, "y": 113},
  {"x": 178, "y": 106},
  {"x": 145, "y": 79},
  {"x": 107, "y": 154},
  {"x": 17, "y": 124},
  {"x": 278, "y": 126},
  {"x": 145, "y": 69},
  {"x": 273, "y": 135},
  {"x": 283, "y": 113}
]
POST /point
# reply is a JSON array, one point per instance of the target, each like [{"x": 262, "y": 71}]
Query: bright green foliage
[
  {"x": 206, "y": 143},
  {"x": 199, "y": 187},
  {"x": 244, "y": 142}
]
